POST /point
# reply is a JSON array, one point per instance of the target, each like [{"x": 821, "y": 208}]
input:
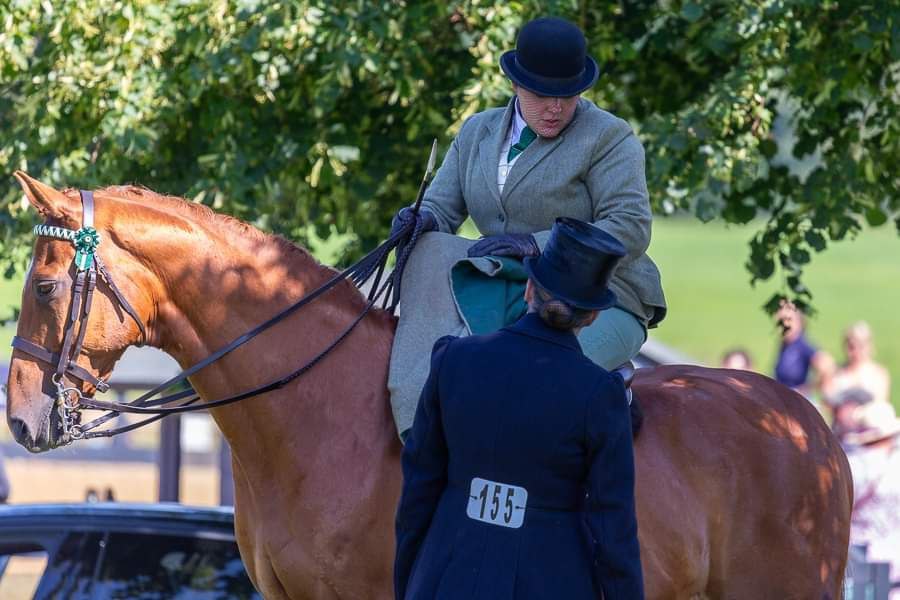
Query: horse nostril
[{"x": 21, "y": 432}]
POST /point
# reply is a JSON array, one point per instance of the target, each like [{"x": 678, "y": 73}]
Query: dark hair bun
[{"x": 558, "y": 314}]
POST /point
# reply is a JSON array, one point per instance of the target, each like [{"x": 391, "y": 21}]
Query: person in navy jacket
[{"x": 519, "y": 469}]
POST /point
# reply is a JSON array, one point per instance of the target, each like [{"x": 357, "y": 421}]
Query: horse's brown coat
[{"x": 742, "y": 491}]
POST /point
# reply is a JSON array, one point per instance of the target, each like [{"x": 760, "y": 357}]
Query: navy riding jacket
[{"x": 520, "y": 407}]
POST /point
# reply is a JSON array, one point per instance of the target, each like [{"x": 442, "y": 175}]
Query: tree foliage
[{"x": 321, "y": 112}]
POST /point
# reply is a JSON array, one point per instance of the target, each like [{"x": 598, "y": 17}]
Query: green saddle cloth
[{"x": 489, "y": 292}]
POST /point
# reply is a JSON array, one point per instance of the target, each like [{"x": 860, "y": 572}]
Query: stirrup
[{"x": 626, "y": 372}]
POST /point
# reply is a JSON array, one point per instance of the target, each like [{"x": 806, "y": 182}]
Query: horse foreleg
[{"x": 258, "y": 567}]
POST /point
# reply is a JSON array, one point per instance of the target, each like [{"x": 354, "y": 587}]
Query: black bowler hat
[
  {"x": 576, "y": 264},
  {"x": 551, "y": 59}
]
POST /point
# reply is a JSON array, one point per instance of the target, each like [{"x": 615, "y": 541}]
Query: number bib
[{"x": 497, "y": 503}]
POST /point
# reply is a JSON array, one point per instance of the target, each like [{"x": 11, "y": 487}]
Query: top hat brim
[
  {"x": 549, "y": 86},
  {"x": 606, "y": 300}
]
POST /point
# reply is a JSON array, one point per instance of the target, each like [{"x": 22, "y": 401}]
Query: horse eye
[{"x": 45, "y": 288}]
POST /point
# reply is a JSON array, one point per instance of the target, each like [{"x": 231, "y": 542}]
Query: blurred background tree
[{"x": 313, "y": 118}]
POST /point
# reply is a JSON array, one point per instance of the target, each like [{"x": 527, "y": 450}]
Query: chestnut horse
[{"x": 742, "y": 491}]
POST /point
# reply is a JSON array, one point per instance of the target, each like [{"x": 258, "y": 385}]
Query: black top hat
[
  {"x": 576, "y": 264},
  {"x": 551, "y": 59}
]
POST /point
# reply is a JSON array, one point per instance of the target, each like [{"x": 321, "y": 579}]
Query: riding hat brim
[{"x": 549, "y": 86}]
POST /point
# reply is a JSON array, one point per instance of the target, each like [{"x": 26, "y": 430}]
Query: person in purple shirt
[{"x": 797, "y": 355}]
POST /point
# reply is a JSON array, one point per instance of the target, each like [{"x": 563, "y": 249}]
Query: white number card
[{"x": 497, "y": 503}]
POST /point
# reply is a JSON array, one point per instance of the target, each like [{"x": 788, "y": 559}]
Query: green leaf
[
  {"x": 739, "y": 212},
  {"x": 799, "y": 256},
  {"x": 761, "y": 267},
  {"x": 869, "y": 171},
  {"x": 875, "y": 217},
  {"x": 707, "y": 206},
  {"x": 692, "y": 11},
  {"x": 768, "y": 148},
  {"x": 863, "y": 42},
  {"x": 895, "y": 41},
  {"x": 773, "y": 303},
  {"x": 678, "y": 142},
  {"x": 815, "y": 239}
]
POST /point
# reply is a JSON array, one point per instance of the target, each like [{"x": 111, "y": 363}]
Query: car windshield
[{"x": 150, "y": 567}]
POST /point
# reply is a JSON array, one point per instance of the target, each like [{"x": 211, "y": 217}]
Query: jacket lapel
[
  {"x": 489, "y": 151},
  {"x": 537, "y": 151}
]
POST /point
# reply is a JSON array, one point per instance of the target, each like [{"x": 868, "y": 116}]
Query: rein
[{"x": 70, "y": 400}]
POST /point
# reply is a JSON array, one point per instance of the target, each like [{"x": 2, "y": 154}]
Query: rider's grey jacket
[{"x": 593, "y": 171}]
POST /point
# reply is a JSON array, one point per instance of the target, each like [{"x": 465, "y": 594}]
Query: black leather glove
[
  {"x": 406, "y": 214},
  {"x": 518, "y": 245}
]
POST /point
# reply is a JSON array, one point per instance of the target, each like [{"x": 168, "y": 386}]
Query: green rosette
[{"x": 86, "y": 241}]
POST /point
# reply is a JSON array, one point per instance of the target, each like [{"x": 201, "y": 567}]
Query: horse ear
[{"x": 49, "y": 202}]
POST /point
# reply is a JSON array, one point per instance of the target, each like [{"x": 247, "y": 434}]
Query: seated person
[
  {"x": 514, "y": 170},
  {"x": 874, "y": 455},
  {"x": 860, "y": 370}
]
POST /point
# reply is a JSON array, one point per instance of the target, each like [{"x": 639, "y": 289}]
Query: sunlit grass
[{"x": 713, "y": 308}]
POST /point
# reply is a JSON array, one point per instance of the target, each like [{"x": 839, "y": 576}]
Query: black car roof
[{"x": 120, "y": 516}]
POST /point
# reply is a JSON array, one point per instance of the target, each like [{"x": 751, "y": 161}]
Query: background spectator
[
  {"x": 847, "y": 412},
  {"x": 737, "y": 358},
  {"x": 875, "y": 462},
  {"x": 860, "y": 370},
  {"x": 797, "y": 356}
]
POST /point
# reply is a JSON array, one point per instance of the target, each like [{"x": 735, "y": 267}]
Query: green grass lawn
[
  {"x": 713, "y": 308},
  {"x": 10, "y": 296}
]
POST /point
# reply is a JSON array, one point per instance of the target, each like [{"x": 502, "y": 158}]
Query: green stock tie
[{"x": 526, "y": 137}]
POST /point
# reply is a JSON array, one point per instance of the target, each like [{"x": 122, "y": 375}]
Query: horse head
[{"x": 35, "y": 386}]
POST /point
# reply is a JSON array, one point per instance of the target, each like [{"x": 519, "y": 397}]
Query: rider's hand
[
  {"x": 406, "y": 214},
  {"x": 518, "y": 245}
]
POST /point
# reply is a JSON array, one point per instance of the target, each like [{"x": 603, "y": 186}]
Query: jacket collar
[
  {"x": 532, "y": 325},
  {"x": 539, "y": 149}
]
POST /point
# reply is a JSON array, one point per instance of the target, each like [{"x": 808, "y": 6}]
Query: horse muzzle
[
  {"x": 35, "y": 435},
  {"x": 30, "y": 410}
]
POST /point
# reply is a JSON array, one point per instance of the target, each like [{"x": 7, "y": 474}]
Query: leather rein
[{"x": 88, "y": 265}]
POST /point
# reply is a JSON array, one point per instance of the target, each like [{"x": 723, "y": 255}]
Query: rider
[
  {"x": 548, "y": 153},
  {"x": 512, "y": 429}
]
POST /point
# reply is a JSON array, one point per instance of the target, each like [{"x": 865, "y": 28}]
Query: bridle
[
  {"x": 69, "y": 398},
  {"x": 87, "y": 265}
]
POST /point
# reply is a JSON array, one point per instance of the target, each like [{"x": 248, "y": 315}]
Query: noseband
[{"x": 69, "y": 398}]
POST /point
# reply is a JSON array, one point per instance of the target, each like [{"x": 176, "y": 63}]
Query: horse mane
[{"x": 203, "y": 214}]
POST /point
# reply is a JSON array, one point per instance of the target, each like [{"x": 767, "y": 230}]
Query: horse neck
[{"x": 216, "y": 285}]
